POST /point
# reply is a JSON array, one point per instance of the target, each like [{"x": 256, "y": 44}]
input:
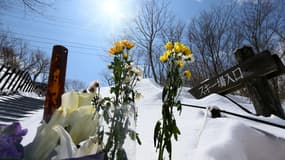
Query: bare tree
[
  {"x": 8, "y": 50},
  {"x": 210, "y": 39},
  {"x": 259, "y": 23},
  {"x": 75, "y": 85},
  {"x": 5, "y": 40},
  {"x": 149, "y": 24},
  {"x": 34, "y": 5},
  {"x": 39, "y": 64},
  {"x": 8, "y": 57},
  {"x": 15, "y": 53},
  {"x": 173, "y": 31}
]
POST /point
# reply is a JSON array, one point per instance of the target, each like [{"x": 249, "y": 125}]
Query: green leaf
[
  {"x": 127, "y": 123},
  {"x": 175, "y": 137},
  {"x": 176, "y": 132},
  {"x": 107, "y": 99},
  {"x": 112, "y": 90},
  {"x": 132, "y": 134},
  {"x": 106, "y": 116},
  {"x": 138, "y": 139},
  {"x": 169, "y": 147},
  {"x": 179, "y": 107},
  {"x": 121, "y": 154},
  {"x": 156, "y": 132},
  {"x": 164, "y": 93}
]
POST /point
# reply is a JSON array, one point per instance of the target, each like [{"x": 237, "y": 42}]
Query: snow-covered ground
[{"x": 202, "y": 137}]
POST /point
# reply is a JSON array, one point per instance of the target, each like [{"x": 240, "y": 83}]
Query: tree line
[
  {"x": 213, "y": 35},
  {"x": 16, "y": 53}
]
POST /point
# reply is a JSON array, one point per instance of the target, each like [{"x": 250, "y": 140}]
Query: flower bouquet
[
  {"x": 175, "y": 58},
  {"x": 119, "y": 112},
  {"x": 86, "y": 125},
  {"x": 70, "y": 133}
]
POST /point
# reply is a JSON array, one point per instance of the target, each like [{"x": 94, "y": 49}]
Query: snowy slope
[
  {"x": 201, "y": 138},
  {"x": 221, "y": 138}
]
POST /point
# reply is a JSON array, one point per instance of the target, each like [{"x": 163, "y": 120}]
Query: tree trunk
[{"x": 151, "y": 62}]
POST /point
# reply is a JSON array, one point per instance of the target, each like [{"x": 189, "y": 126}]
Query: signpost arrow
[
  {"x": 260, "y": 65},
  {"x": 252, "y": 72}
]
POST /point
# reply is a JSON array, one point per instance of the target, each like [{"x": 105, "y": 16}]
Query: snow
[
  {"x": 32, "y": 123},
  {"x": 31, "y": 95},
  {"x": 236, "y": 141},
  {"x": 202, "y": 137}
]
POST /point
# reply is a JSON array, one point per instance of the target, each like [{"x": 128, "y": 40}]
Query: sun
[
  {"x": 110, "y": 15},
  {"x": 112, "y": 9}
]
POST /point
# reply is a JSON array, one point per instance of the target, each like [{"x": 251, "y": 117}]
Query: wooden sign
[
  {"x": 56, "y": 81},
  {"x": 260, "y": 65}
]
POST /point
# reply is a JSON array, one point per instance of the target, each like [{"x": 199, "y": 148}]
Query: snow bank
[
  {"x": 31, "y": 123},
  {"x": 236, "y": 141},
  {"x": 227, "y": 138}
]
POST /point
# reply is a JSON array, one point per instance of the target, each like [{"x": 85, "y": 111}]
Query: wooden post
[
  {"x": 264, "y": 98},
  {"x": 56, "y": 81}
]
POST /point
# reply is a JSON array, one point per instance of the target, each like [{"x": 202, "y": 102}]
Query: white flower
[
  {"x": 189, "y": 58},
  {"x": 138, "y": 71},
  {"x": 76, "y": 114},
  {"x": 67, "y": 148},
  {"x": 127, "y": 79}
]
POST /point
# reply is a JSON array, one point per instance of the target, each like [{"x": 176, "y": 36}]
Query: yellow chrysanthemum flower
[
  {"x": 187, "y": 74},
  {"x": 187, "y": 52},
  {"x": 180, "y": 63},
  {"x": 167, "y": 53},
  {"x": 125, "y": 55},
  {"x": 169, "y": 46},
  {"x": 183, "y": 47},
  {"x": 177, "y": 47},
  {"x": 112, "y": 51},
  {"x": 118, "y": 47},
  {"x": 128, "y": 44},
  {"x": 163, "y": 58}
]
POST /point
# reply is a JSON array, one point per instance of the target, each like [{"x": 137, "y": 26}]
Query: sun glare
[
  {"x": 112, "y": 15},
  {"x": 111, "y": 9}
]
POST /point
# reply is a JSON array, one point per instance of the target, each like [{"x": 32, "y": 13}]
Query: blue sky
[{"x": 86, "y": 27}]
